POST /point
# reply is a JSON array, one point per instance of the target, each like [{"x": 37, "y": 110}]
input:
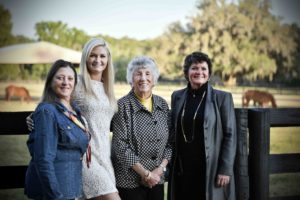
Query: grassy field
[
  {"x": 283, "y": 140},
  {"x": 284, "y": 97}
]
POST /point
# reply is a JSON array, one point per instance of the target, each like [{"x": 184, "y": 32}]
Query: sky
[{"x": 139, "y": 19}]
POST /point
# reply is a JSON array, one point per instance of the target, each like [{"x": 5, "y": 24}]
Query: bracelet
[{"x": 163, "y": 168}]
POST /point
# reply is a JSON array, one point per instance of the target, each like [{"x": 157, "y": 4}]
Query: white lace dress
[{"x": 99, "y": 178}]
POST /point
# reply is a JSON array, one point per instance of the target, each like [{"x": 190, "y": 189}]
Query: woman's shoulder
[
  {"x": 124, "y": 99},
  {"x": 178, "y": 92},
  {"x": 160, "y": 99},
  {"x": 161, "y": 102},
  {"x": 221, "y": 93},
  {"x": 45, "y": 107},
  {"x": 222, "y": 96}
]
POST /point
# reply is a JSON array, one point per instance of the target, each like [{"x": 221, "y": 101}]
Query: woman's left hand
[
  {"x": 222, "y": 180},
  {"x": 158, "y": 171},
  {"x": 154, "y": 179}
]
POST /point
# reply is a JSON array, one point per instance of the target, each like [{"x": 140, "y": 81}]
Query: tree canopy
[{"x": 245, "y": 41}]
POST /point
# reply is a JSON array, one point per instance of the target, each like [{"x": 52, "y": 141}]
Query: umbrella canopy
[{"x": 37, "y": 53}]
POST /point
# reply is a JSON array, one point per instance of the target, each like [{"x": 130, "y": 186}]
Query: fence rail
[
  {"x": 261, "y": 162},
  {"x": 253, "y": 164}
]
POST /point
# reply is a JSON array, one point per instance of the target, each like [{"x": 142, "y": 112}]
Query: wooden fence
[
  {"x": 253, "y": 163},
  {"x": 261, "y": 162}
]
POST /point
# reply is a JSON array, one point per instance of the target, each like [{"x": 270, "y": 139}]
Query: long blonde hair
[{"x": 107, "y": 76}]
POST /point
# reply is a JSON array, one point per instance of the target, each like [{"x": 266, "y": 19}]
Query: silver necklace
[{"x": 194, "y": 119}]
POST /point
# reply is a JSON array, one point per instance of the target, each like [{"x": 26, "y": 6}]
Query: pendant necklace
[{"x": 194, "y": 119}]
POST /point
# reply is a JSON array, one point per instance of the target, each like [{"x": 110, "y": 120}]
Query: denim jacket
[{"x": 56, "y": 146}]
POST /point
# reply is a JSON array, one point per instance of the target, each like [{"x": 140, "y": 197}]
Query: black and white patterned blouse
[{"x": 139, "y": 136}]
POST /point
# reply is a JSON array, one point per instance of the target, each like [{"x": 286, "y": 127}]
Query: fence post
[
  {"x": 241, "y": 161},
  {"x": 259, "y": 148}
]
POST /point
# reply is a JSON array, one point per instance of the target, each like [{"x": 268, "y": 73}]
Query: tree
[
  {"x": 9, "y": 71},
  {"x": 59, "y": 33},
  {"x": 169, "y": 51},
  {"x": 6, "y": 26},
  {"x": 123, "y": 50},
  {"x": 120, "y": 65},
  {"x": 291, "y": 75},
  {"x": 243, "y": 39}
]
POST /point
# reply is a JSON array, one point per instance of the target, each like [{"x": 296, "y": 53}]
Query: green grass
[
  {"x": 284, "y": 97},
  {"x": 13, "y": 194},
  {"x": 283, "y": 140},
  {"x": 14, "y": 150},
  {"x": 286, "y": 184}
]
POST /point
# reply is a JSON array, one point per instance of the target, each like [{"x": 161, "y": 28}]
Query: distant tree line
[{"x": 246, "y": 42}]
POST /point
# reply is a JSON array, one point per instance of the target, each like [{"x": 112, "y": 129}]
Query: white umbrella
[{"x": 37, "y": 53}]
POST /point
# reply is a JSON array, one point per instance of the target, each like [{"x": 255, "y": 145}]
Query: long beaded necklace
[{"x": 194, "y": 119}]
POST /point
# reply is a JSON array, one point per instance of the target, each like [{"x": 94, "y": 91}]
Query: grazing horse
[
  {"x": 21, "y": 92},
  {"x": 262, "y": 98}
]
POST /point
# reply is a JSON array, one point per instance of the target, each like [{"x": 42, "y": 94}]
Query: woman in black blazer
[{"x": 203, "y": 121}]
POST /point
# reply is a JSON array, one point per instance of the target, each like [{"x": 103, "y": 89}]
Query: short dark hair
[
  {"x": 48, "y": 93},
  {"x": 196, "y": 57}
]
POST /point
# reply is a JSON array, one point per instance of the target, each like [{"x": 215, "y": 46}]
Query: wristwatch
[{"x": 163, "y": 168}]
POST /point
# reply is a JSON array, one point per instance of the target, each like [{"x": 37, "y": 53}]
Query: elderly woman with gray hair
[{"x": 140, "y": 143}]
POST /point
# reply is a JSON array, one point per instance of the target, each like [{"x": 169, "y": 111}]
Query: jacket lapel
[
  {"x": 208, "y": 106},
  {"x": 179, "y": 101}
]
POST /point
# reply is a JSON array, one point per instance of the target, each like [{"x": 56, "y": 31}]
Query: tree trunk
[{"x": 230, "y": 81}]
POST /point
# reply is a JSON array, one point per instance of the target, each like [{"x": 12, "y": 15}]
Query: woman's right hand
[
  {"x": 152, "y": 180},
  {"x": 29, "y": 122}
]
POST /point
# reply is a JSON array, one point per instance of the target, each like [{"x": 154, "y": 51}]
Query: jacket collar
[
  {"x": 137, "y": 106},
  {"x": 210, "y": 92},
  {"x": 198, "y": 91},
  {"x": 62, "y": 108},
  {"x": 180, "y": 98}
]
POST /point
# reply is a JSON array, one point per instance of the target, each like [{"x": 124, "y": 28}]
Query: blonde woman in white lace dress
[{"x": 95, "y": 97}]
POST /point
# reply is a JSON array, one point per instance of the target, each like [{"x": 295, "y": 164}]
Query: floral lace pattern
[{"x": 99, "y": 178}]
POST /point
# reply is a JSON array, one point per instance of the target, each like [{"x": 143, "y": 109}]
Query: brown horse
[
  {"x": 21, "y": 92},
  {"x": 262, "y": 98}
]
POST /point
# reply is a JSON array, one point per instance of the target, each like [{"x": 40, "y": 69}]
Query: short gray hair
[{"x": 142, "y": 62}]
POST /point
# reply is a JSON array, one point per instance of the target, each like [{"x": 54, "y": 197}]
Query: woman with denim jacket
[{"x": 58, "y": 141}]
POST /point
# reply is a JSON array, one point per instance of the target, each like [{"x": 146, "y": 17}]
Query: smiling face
[
  {"x": 198, "y": 74},
  {"x": 97, "y": 62},
  {"x": 63, "y": 83},
  {"x": 143, "y": 82}
]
